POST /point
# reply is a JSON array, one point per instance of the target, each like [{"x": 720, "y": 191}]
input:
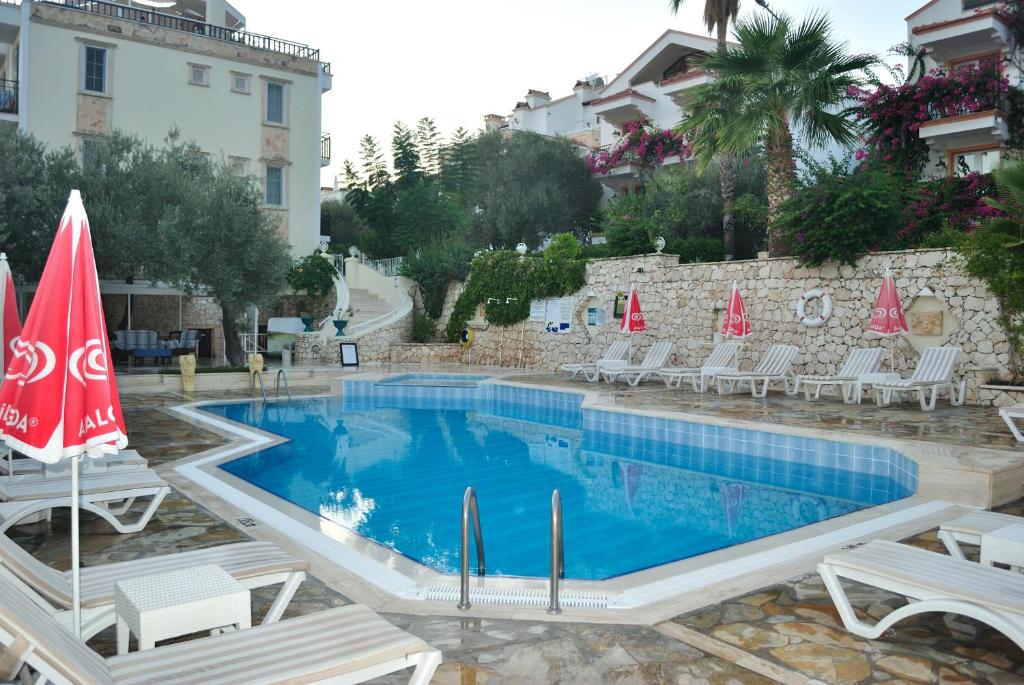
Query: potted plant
[
  {"x": 340, "y": 321},
  {"x": 314, "y": 276}
]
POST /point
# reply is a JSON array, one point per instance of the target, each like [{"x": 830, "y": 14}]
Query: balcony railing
[
  {"x": 173, "y": 23},
  {"x": 8, "y": 96},
  {"x": 325, "y": 147}
]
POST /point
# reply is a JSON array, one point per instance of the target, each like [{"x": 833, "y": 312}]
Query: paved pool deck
[{"x": 786, "y": 632}]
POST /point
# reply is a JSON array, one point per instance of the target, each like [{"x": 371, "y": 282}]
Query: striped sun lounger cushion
[
  {"x": 937, "y": 365},
  {"x": 775, "y": 362},
  {"x": 89, "y": 484},
  {"x": 858, "y": 362},
  {"x": 723, "y": 356}
]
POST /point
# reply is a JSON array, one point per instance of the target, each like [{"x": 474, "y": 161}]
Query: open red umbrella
[
  {"x": 59, "y": 400},
  {"x": 10, "y": 322},
  {"x": 887, "y": 319},
  {"x": 737, "y": 323},
  {"x": 632, "y": 319}
]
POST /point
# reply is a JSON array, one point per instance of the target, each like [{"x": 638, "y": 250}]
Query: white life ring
[{"x": 826, "y": 307}]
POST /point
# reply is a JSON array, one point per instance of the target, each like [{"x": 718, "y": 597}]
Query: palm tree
[
  {"x": 717, "y": 15},
  {"x": 782, "y": 76}
]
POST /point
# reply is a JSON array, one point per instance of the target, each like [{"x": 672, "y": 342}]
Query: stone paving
[{"x": 786, "y": 633}]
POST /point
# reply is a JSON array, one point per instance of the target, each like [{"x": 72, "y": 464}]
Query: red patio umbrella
[
  {"x": 632, "y": 319},
  {"x": 737, "y": 323},
  {"x": 59, "y": 400},
  {"x": 887, "y": 319},
  {"x": 9, "y": 320}
]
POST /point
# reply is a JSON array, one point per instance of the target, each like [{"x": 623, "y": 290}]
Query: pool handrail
[
  {"x": 469, "y": 505},
  {"x": 557, "y": 552},
  {"x": 277, "y": 384}
]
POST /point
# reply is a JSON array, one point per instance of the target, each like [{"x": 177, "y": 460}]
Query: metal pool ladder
[
  {"x": 253, "y": 377},
  {"x": 277, "y": 385},
  {"x": 469, "y": 506},
  {"x": 557, "y": 552}
]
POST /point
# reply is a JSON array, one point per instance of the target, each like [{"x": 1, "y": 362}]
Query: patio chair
[
  {"x": 931, "y": 582},
  {"x": 108, "y": 495},
  {"x": 775, "y": 365},
  {"x": 969, "y": 528},
  {"x": 858, "y": 363},
  {"x": 653, "y": 362},
  {"x": 348, "y": 644},
  {"x": 253, "y": 564},
  {"x": 725, "y": 357},
  {"x": 188, "y": 341},
  {"x": 936, "y": 371},
  {"x": 1012, "y": 415},
  {"x": 24, "y": 466},
  {"x": 617, "y": 352}
]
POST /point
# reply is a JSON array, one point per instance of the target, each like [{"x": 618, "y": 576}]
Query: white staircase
[{"x": 365, "y": 306}]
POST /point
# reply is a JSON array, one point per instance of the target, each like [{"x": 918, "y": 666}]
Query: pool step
[{"x": 516, "y": 597}]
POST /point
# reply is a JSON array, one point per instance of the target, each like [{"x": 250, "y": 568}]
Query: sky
[{"x": 457, "y": 60}]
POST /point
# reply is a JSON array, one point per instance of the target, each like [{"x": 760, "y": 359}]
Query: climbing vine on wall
[{"x": 506, "y": 283}]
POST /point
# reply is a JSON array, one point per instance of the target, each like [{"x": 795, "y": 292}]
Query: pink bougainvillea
[
  {"x": 893, "y": 115},
  {"x": 957, "y": 203},
  {"x": 641, "y": 145}
]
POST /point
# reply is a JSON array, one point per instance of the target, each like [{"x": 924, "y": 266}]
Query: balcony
[
  {"x": 677, "y": 86},
  {"x": 325, "y": 149},
  {"x": 977, "y": 31},
  {"x": 971, "y": 127},
  {"x": 628, "y": 105},
  {"x": 182, "y": 24},
  {"x": 8, "y": 100}
]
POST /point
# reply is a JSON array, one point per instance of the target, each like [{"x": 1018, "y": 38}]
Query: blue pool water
[
  {"x": 440, "y": 380},
  {"x": 392, "y": 463}
]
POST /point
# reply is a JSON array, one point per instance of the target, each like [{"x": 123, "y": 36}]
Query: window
[
  {"x": 95, "y": 80},
  {"x": 239, "y": 83},
  {"x": 198, "y": 75},
  {"x": 90, "y": 154},
  {"x": 983, "y": 61},
  {"x": 275, "y": 103},
  {"x": 275, "y": 186},
  {"x": 964, "y": 162},
  {"x": 240, "y": 166}
]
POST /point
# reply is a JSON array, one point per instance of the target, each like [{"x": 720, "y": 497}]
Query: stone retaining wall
[
  {"x": 426, "y": 353},
  {"x": 684, "y": 303},
  {"x": 373, "y": 346},
  {"x": 1000, "y": 395}
]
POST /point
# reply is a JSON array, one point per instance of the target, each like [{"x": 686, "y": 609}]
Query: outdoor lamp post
[
  {"x": 521, "y": 248},
  {"x": 659, "y": 244}
]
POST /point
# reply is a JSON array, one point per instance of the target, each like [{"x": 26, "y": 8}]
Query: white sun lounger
[
  {"x": 859, "y": 362},
  {"x": 1012, "y": 415},
  {"x": 775, "y": 365},
  {"x": 349, "y": 644},
  {"x": 969, "y": 528},
  {"x": 653, "y": 362},
  {"x": 725, "y": 357},
  {"x": 617, "y": 352},
  {"x": 932, "y": 582},
  {"x": 108, "y": 495},
  {"x": 935, "y": 371},
  {"x": 24, "y": 466},
  {"x": 253, "y": 564}
]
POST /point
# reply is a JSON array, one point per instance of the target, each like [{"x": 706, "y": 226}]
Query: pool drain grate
[{"x": 516, "y": 597}]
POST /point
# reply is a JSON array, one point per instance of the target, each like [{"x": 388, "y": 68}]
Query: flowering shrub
[
  {"x": 953, "y": 204},
  {"x": 893, "y": 114},
  {"x": 641, "y": 145}
]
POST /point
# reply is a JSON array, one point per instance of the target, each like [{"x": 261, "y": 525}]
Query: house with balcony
[
  {"x": 955, "y": 35},
  {"x": 652, "y": 88},
  {"x": 74, "y": 70}
]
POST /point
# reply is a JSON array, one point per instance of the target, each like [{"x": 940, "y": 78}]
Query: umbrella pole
[{"x": 76, "y": 590}]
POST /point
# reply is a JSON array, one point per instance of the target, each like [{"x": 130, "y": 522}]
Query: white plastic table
[
  {"x": 867, "y": 379},
  {"x": 1004, "y": 546},
  {"x": 180, "y": 602}
]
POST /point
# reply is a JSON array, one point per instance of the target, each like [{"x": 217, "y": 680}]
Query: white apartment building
[
  {"x": 650, "y": 88},
  {"x": 72, "y": 70},
  {"x": 956, "y": 33}
]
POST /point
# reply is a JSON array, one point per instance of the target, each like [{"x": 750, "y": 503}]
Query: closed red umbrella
[
  {"x": 59, "y": 400},
  {"x": 887, "y": 320},
  {"x": 737, "y": 323},
  {"x": 9, "y": 320},
  {"x": 632, "y": 319}
]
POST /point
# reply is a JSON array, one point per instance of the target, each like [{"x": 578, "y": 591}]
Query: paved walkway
[{"x": 786, "y": 633}]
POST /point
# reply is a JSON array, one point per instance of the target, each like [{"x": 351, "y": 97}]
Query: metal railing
[
  {"x": 392, "y": 266},
  {"x": 325, "y": 147},
  {"x": 557, "y": 552},
  {"x": 470, "y": 507},
  {"x": 8, "y": 96},
  {"x": 253, "y": 377},
  {"x": 277, "y": 385},
  {"x": 174, "y": 23}
]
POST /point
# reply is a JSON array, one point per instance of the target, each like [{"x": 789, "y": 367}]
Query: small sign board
[{"x": 349, "y": 354}]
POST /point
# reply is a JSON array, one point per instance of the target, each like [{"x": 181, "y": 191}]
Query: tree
[
  {"x": 227, "y": 247},
  {"x": 783, "y": 75},
  {"x": 457, "y": 165},
  {"x": 405, "y": 156},
  {"x": 375, "y": 171},
  {"x": 717, "y": 15},
  {"x": 341, "y": 221},
  {"x": 529, "y": 186},
  {"x": 428, "y": 142}
]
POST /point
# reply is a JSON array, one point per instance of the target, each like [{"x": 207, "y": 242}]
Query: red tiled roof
[
  {"x": 686, "y": 76},
  {"x": 927, "y": 28},
  {"x": 629, "y": 92}
]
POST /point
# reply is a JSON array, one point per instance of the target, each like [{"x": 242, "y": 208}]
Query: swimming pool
[
  {"x": 440, "y": 380},
  {"x": 391, "y": 463}
]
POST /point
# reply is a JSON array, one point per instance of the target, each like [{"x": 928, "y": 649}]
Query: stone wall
[
  {"x": 1001, "y": 395},
  {"x": 425, "y": 353},
  {"x": 166, "y": 313},
  {"x": 373, "y": 346},
  {"x": 684, "y": 303}
]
